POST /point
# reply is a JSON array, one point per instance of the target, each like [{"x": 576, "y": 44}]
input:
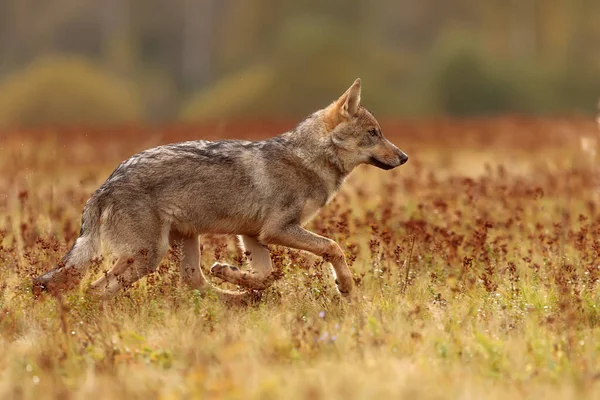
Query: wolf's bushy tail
[
  {"x": 87, "y": 245},
  {"x": 74, "y": 264}
]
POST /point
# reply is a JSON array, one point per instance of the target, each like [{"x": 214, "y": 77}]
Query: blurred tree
[
  {"x": 523, "y": 29},
  {"x": 329, "y": 56},
  {"x": 246, "y": 32},
  {"x": 119, "y": 49},
  {"x": 170, "y": 49},
  {"x": 198, "y": 41}
]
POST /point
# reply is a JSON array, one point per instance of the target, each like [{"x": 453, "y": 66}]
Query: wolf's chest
[{"x": 311, "y": 208}]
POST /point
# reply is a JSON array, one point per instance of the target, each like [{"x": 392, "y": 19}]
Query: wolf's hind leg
[
  {"x": 259, "y": 275},
  {"x": 126, "y": 271},
  {"x": 192, "y": 275},
  {"x": 189, "y": 264},
  {"x": 117, "y": 269}
]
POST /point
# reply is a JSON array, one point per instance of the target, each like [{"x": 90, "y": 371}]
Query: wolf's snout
[{"x": 391, "y": 160}]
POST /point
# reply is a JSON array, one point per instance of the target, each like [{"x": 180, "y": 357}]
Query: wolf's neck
[{"x": 318, "y": 153}]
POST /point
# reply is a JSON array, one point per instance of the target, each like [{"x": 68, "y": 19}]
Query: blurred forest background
[{"x": 110, "y": 61}]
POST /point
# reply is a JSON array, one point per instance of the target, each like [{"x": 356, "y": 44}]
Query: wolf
[{"x": 262, "y": 191}]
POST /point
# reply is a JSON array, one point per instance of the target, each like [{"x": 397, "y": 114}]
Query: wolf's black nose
[{"x": 403, "y": 158}]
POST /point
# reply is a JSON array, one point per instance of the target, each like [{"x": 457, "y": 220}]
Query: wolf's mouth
[{"x": 375, "y": 162}]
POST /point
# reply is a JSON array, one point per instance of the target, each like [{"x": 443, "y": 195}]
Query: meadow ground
[{"x": 477, "y": 265}]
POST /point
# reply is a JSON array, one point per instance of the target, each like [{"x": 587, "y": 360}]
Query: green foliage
[
  {"x": 457, "y": 78},
  {"x": 465, "y": 85},
  {"x": 65, "y": 90},
  {"x": 523, "y": 57},
  {"x": 578, "y": 87},
  {"x": 313, "y": 62},
  {"x": 468, "y": 81}
]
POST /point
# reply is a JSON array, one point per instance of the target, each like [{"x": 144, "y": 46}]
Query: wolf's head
[{"x": 356, "y": 134}]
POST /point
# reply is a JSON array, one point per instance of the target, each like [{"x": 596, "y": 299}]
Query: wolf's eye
[{"x": 373, "y": 132}]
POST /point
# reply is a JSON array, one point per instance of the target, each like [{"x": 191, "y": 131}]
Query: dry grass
[{"x": 477, "y": 265}]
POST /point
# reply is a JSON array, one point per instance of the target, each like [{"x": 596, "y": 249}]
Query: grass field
[{"x": 477, "y": 266}]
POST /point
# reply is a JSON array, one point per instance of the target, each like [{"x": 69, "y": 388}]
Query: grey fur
[{"x": 263, "y": 191}]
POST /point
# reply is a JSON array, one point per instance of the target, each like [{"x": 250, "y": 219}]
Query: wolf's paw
[
  {"x": 223, "y": 271},
  {"x": 38, "y": 287},
  {"x": 345, "y": 286},
  {"x": 55, "y": 282},
  {"x": 247, "y": 279},
  {"x": 46, "y": 284}
]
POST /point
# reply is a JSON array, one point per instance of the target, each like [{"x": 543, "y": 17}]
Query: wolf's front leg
[
  {"x": 259, "y": 275},
  {"x": 297, "y": 237}
]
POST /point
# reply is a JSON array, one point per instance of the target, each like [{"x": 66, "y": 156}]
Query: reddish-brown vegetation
[{"x": 478, "y": 265}]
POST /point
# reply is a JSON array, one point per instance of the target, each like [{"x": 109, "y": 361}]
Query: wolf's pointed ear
[
  {"x": 345, "y": 107},
  {"x": 349, "y": 102}
]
